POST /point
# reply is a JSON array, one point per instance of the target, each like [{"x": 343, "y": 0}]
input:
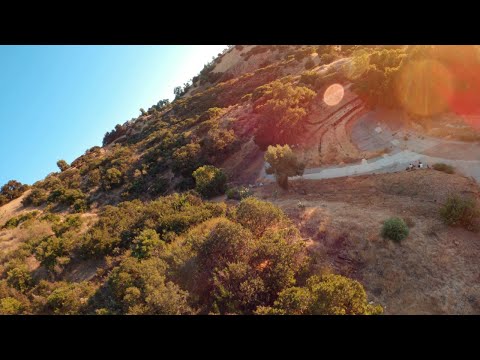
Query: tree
[
  {"x": 11, "y": 190},
  {"x": 145, "y": 243},
  {"x": 177, "y": 91},
  {"x": 210, "y": 181},
  {"x": 62, "y": 165},
  {"x": 283, "y": 163}
]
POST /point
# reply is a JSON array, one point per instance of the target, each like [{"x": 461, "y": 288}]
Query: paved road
[{"x": 371, "y": 133}]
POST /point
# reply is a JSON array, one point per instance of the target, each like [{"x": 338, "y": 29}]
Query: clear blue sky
[{"x": 58, "y": 101}]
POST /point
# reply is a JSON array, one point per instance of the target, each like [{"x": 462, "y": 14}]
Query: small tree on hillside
[
  {"x": 62, "y": 165},
  {"x": 11, "y": 190},
  {"x": 283, "y": 163}
]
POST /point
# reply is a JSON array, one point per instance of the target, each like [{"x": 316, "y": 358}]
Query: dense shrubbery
[
  {"x": 210, "y": 181},
  {"x": 140, "y": 287},
  {"x": 324, "y": 295},
  {"x": 282, "y": 107},
  {"x": 458, "y": 211},
  {"x": 119, "y": 225},
  {"x": 395, "y": 229}
]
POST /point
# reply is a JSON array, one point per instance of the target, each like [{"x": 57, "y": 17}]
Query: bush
[
  {"x": 17, "y": 220},
  {"x": 70, "y": 299},
  {"x": 458, "y": 211},
  {"x": 186, "y": 159},
  {"x": 140, "y": 287},
  {"x": 80, "y": 206},
  {"x": 239, "y": 193},
  {"x": 309, "y": 78},
  {"x": 112, "y": 178},
  {"x": 37, "y": 197},
  {"x": 144, "y": 244},
  {"x": 444, "y": 167},
  {"x": 71, "y": 222},
  {"x": 19, "y": 278},
  {"x": 395, "y": 229},
  {"x": 210, "y": 181},
  {"x": 10, "y": 306},
  {"x": 257, "y": 215},
  {"x": 52, "y": 251}
]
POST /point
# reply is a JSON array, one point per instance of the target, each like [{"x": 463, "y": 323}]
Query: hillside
[{"x": 141, "y": 225}]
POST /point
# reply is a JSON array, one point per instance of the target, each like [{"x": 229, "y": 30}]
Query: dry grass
[{"x": 433, "y": 271}]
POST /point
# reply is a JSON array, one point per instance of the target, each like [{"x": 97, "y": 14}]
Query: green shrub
[
  {"x": 458, "y": 211},
  {"x": 17, "y": 220},
  {"x": 257, "y": 215},
  {"x": 69, "y": 298},
  {"x": 37, "y": 197},
  {"x": 19, "y": 278},
  {"x": 209, "y": 180},
  {"x": 71, "y": 222},
  {"x": 444, "y": 167},
  {"x": 395, "y": 229},
  {"x": 112, "y": 178},
  {"x": 144, "y": 244},
  {"x": 309, "y": 78},
  {"x": 10, "y": 306},
  {"x": 239, "y": 193},
  {"x": 80, "y": 206},
  {"x": 52, "y": 251},
  {"x": 140, "y": 287}
]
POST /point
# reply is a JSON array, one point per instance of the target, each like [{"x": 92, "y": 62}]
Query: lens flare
[
  {"x": 425, "y": 87},
  {"x": 333, "y": 95}
]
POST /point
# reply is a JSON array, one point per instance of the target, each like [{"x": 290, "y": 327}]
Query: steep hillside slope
[{"x": 126, "y": 228}]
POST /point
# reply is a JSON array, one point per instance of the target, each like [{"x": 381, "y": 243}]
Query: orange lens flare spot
[
  {"x": 333, "y": 95},
  {"x": 425, "y": 87}
]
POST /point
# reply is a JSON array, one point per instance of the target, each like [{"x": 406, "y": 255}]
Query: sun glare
[
  {"x": 333, "y": 95},
  {"x": 425, "y": 87}
]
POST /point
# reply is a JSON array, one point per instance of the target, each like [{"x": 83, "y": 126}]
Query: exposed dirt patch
[{"x": 433, "y": 271}]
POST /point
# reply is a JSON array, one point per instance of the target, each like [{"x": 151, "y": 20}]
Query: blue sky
[{"x": 58, "y": 101}]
